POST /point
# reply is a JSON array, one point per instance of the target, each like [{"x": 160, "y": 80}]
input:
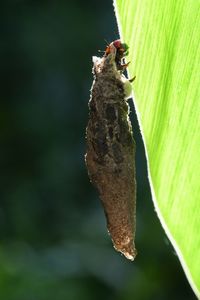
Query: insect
[
  {"x": 110, "y": 154},
  {"x": 121, "y": 52}
]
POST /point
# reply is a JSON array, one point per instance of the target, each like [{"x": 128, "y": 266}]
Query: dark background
[{"x": 53, "y": 238}]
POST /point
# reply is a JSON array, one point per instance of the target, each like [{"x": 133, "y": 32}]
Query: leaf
[{"x": 163, "y": 37}]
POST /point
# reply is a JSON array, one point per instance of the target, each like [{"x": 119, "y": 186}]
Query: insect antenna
[
  {"x": 101, "y": 51},
  {"x": 107, "y": 43}
]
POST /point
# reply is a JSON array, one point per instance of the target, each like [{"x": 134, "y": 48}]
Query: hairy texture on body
[{"x": 110, "y": 156}]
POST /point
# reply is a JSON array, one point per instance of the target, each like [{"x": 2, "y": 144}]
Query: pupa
[{"x": 110, "y": 154}]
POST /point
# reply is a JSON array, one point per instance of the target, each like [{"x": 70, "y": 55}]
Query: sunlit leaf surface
[{"x": 165, "y": 57}]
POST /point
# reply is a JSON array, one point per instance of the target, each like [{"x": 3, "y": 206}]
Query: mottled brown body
[{"x": 110, "y": 156}]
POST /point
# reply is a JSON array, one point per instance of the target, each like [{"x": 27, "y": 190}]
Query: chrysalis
[{"x": 110, "y": 156}]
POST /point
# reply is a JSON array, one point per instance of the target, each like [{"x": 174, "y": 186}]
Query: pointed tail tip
[{"x": 129, "y": 252}]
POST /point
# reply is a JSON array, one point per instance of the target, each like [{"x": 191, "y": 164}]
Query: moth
[{"x": 110, "y": 154}]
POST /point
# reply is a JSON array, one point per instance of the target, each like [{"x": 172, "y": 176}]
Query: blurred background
[{"x": 53, "y": 237}]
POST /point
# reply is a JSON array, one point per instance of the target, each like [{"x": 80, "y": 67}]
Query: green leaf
[{"x": 164, "y": 41}]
